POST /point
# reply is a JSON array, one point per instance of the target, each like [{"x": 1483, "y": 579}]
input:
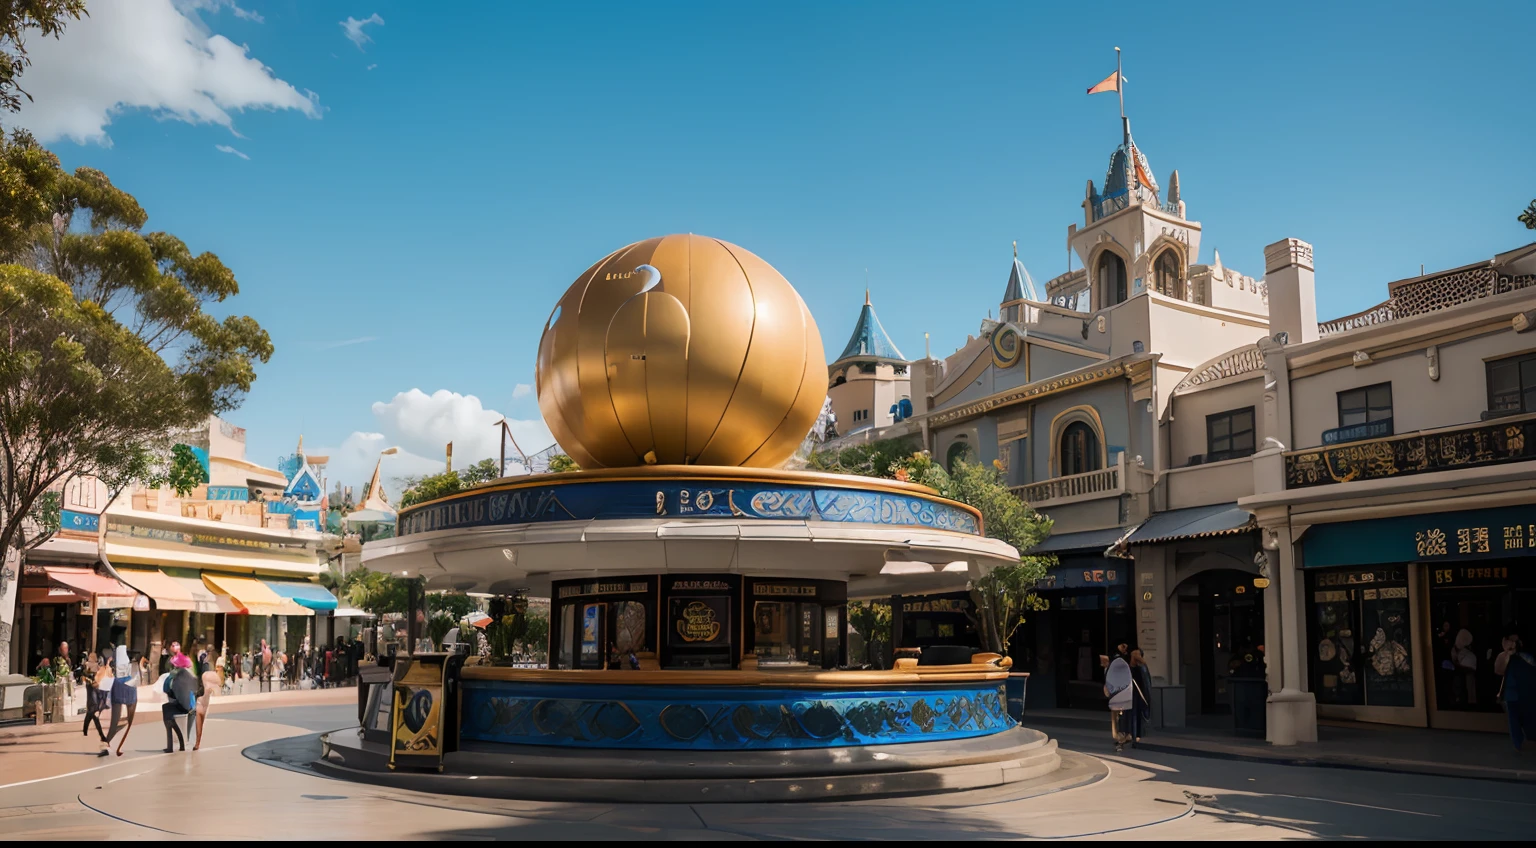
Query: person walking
[
  {"x": 1517, "y": 667},
  {"x": 181, "y": 689},
  {"x": 1141, "y": 706},
  {"x": 264, "y": 669},
  {"x": 1118, "y": 684},
  {"x": 125, "y": 696},
  {"x": 96, "y": 698},
  {"x": 210, "y": 680}
]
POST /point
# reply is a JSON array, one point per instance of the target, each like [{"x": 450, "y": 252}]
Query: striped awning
[
  {"x": 253, "y": 595},
  {"x": 311, "y": 595}
]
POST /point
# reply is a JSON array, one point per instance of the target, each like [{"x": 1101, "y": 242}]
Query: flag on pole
[{"x": 1110, "y": 83}]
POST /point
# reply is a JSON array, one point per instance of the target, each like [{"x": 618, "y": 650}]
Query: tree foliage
[
  {"x": 186, "y": 473},
  {"x": 1528, "y": 217},
  {"x": 105, "y": 344},
  {"x": 560, "y": 462},
  {"x": 18, "y": 19},
  {"x": 1003, "y": 595},
  {"x": 415, "y": 490}
]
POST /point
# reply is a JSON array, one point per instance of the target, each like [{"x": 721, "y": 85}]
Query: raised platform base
[{"x": 560, "y": 774}]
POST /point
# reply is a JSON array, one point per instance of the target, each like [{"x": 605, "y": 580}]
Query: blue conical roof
[
  {"x": 1021, "y": 286},
  {"x": 869, "y": 338}
]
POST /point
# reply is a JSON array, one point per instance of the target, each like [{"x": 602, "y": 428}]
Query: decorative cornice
[
  {"x": 1233, "y": 363},
  {"x": 1096, "y": 374}
]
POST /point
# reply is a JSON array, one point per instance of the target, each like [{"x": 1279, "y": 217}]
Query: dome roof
[{"x": 681, "y": 350}]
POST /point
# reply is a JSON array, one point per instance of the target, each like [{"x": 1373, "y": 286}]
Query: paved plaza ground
[{"x": 52, "y": 786}]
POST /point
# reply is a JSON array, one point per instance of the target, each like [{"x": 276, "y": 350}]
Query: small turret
[{"x": 1173, "y": 188}]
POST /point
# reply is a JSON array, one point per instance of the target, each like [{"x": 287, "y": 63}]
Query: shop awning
[
  {"x": 1088, "y": 541},
  {"x": 350, "y": 612},
  {"x": 1197, "y": 522},
  {"x": 167, "y": 593},
  {"x": 110, "y": 593},
  {"x": 254, "y": 596},
  {"x": 308, "y": 595},
  {"x": 207, "y": 600}
]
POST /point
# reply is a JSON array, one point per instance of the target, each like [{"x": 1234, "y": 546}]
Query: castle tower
[
  {"x": 869, "y": 380},
  {"x": 1021, "y": 287},
  {"x": 1131, "y": 240}
]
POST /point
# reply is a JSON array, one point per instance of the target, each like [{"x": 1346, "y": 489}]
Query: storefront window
[
  {"x": 787, "y": 632},
  {"x": 1361, "y": 643},
  {"x": 1473, "y": 606}
]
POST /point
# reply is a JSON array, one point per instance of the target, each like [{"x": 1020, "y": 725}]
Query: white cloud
[
  {"x": 521, "y": 391},
  {"x": 422, "y": 425},
  {"x": 349, "y": 342},
  {"x": 217, "y": 5},
  {"x": 224, "y": 148},
  {"x": 149, "y": 54},
  {"x": 352, "y": 28},
  {"x": 371, "y": 67}
]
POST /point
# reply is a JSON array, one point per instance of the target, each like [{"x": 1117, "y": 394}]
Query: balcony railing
[
  {"x": 1104, "y": 483},
  {"x": 1511, "y": 439}
]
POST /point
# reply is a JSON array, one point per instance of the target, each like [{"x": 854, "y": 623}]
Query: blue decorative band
[
  {"x": 611, "y": 499},
  {"x": 709, "y": 718}
]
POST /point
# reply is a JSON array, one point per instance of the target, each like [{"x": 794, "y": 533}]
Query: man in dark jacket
[{"x": 181, "y": 686}]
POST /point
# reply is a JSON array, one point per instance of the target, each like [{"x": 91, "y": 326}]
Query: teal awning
[
  {"x": 1430, "y": 537},
  {"x": 309, "y": 595}
]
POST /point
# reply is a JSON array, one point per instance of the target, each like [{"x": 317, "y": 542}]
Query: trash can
[{"x": 1250, "y": 696}]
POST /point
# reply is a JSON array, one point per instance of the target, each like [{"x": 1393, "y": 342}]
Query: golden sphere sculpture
[{"x": 681, "y": 350}]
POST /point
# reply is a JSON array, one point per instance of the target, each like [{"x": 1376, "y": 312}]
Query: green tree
[
  {"x": 186, "y": 472},
  {"x": 483, "y": 471},
  {"x": 105, "y": 344},
  {"x": 560, "y": 462},
  {"x": 871, "y": 620},
  {"x": 378, "y": 593},
  {"x": 18, "y": 19},
  {"x": 452, "y": 603},
  {"x": 415, "y": 490},
  {"x": 1001, "y": 597},
  {"x": 1528, "y": 217}
]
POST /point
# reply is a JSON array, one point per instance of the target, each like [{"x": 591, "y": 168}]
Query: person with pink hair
[{"x": 181, "y": 686}]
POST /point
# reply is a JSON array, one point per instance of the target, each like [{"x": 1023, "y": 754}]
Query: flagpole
[{"x": 1125, "y": 125}]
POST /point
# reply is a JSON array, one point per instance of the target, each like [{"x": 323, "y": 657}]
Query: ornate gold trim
[{"x": 1029, "y": 391}]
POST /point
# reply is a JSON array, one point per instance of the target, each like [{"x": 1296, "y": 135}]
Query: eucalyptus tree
[{"x": 107, "y": 338}]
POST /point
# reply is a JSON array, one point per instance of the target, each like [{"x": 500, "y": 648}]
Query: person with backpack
[
  {"x": 1118, "y": 686},
  {"x": 181, "y": 691}
]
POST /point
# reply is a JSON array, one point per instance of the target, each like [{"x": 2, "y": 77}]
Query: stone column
[{"x": 1292, "y": 711}]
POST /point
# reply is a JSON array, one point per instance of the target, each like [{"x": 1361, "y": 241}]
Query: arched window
[
  {"x": 1079, "y": 449},
  {"x": 1166, "y": 274},
  {"x": 956, "y": 452},
  {"x": 1111, "y": 275}
]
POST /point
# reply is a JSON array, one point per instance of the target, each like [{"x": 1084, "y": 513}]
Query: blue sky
[{"x": 455, "y": 173}]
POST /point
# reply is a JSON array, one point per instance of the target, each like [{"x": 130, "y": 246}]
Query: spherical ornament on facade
[{"x": 681, "y": 350}]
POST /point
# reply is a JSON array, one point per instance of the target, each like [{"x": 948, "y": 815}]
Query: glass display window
[{"x": 1361, "y": 645}]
